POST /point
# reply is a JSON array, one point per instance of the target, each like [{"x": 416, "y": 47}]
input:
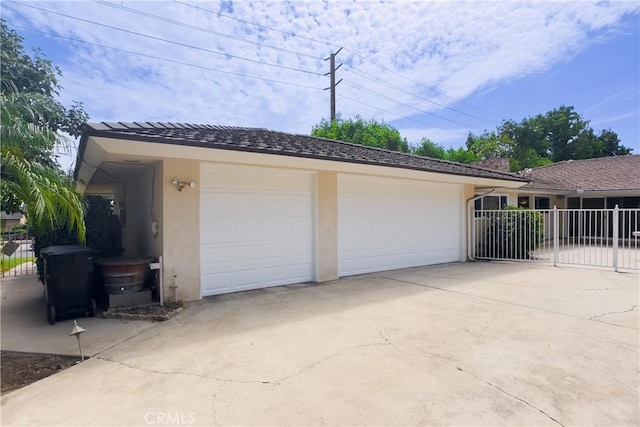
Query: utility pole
[{"x": 332, "y": 74}]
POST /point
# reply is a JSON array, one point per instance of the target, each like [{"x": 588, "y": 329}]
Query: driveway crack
[
  {"x": 153, "y": 371},
  {"x": 213, "y": 405},
  {"x": 511, "y": 395},
  {"x": 517, "y": 304},
  {"x": 446, "y": 362},
  {"x": 633, "y": 307},
  {"x": 332, "y": 356}
]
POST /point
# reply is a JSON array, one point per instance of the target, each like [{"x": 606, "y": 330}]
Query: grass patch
[{"x": 9, "y": 263}]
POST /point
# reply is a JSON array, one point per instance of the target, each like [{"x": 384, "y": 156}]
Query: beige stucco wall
[
  {"x": 141, "y": 197},
  {"x": 327, "y": 226},
  {"x": 180, "y": 229},
  {"x": 554, "y": 200}
]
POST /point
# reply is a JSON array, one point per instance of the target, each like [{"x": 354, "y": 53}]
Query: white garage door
[
  {"x": 256, "y": 228},
  {"x": 384, "y": 224}
]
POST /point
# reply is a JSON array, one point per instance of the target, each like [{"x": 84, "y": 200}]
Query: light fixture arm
[{"x": 180, "y": 185}]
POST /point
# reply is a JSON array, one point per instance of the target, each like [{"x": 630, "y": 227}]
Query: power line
[
  {"x": 398, "y": 115},
  {"x": 165, "y": 59},
  {"x": 422, "y": 85},
  {"x": 398, "y": 88},
  {"x": 287, "y": 33},
  {"x": 373, "y": 92},
  {"x": 166, "y": 40},
  {"x": 194, "y": 27}
]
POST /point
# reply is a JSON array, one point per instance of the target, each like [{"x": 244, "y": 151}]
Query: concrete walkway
[
  {"x": 458, "y": 344},
  {"x": 24, "y": 325}
]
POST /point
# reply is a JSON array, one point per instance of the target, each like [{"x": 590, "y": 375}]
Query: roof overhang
[
  {"x": 100, "y": 157},
  {"x": 582, "y": 193}
]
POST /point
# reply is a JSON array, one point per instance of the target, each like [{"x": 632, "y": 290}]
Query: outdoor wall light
[{"x": 180, "y": 185}]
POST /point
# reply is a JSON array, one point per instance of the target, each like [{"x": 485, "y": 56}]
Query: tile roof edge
[
  {"x": 120, "y": 126},
  {"x": 142, "y": 125},
  {"x": 570, "y": 161},
  {"x": 508, "y": 174}
]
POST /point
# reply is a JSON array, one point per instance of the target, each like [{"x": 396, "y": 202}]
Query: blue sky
[{"x": 435, "y": 70}]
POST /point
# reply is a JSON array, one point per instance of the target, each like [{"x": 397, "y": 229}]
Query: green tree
[
  {"x": 460, "y": 155},
  {"x": 559, "y": 134},
  {"x": 428, "y": 148},
  {"x": 31, "y": 119},
  {"x": 359, "y": 131}
]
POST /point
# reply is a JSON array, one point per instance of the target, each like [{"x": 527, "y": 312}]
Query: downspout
[{"x": 470, "y": 219}]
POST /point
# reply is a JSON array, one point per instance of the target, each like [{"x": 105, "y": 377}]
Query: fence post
[
  {"x": 616, "y": 225},
  {"x": 472, "y": 213},
  {"x": 555, "y": 235}
]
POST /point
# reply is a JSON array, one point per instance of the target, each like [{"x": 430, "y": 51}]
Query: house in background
[
  {"x": 600, "y": 183},
  {"x": 10, "y": 220},
  {"x": 590, "y": 185},
  {"x": 232, "y": 209}
]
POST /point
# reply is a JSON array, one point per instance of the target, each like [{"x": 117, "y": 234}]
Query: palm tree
[{"x": 30, "y": 177}]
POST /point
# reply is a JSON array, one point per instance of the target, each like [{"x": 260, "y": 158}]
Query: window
[
  {"x": 492, "y": 202},
  {"x": 523, "y": 202},
  {"x": 542, "y": 203}
]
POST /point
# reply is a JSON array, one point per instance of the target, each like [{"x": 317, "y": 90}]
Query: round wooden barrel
[{"x": 123, "y": 275}]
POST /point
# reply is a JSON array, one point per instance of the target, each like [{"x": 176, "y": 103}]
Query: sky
[{"x": 436, "y": 70}]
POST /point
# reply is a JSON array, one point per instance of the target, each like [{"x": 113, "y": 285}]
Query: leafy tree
[
  {"x": 427, "y": 148},
  {"x": 461, "y": 155},
  {"x": 38, "y": 77},
  {"x": 559, "y": 134},
  {"x": 359, "y": 131},
  {"x": 30, "y": 120}
]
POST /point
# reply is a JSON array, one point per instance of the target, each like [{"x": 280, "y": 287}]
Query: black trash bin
[{"x": 68, "y": 280}]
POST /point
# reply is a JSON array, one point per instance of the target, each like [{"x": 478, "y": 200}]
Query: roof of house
[
  {"x": 601, "y": 174},
  {"x": 265, "y": 141}
]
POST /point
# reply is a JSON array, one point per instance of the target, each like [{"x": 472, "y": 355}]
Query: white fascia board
[{"x": 167, "y": 151}]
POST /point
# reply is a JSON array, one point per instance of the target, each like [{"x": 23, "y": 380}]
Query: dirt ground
[{"x": 21, "y": 369}]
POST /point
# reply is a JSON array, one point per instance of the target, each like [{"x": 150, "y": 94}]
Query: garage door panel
[
  {"x": 216, "y": 205},
  {"x": 256, "y": 228},
  {"x": 386, "y": 223},
  {"x": 223, "y": 281}
]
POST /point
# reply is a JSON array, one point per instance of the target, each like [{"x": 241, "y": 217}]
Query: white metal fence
[
  {"x": 590, "y": 237},
  {"x": 16, "y": 254}
]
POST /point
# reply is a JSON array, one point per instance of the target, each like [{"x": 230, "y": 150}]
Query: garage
[
  {"x": 256, "y": 227},
  {"x": 386, "y": 223}
]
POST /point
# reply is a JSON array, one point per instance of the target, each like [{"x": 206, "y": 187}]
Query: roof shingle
[
  {"x": 279, "y": 143},
  {"x": 604, "y": 173}
]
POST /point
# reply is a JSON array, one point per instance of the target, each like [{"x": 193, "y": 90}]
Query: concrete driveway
[{"x": 458, "y": 344}]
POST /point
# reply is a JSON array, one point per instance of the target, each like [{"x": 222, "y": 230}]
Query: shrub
[
  {"x": 103, "y": 228},
  {"x": 512, "y": 233},
  {"x": 101, "y": 233}
]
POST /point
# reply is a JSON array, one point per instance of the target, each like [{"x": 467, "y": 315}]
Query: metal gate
[
  {"x": 607, "y": 238},
  {"x": 17, "y": 257}
]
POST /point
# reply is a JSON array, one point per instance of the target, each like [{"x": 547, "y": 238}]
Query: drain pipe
[{"x": 470, "y": 238}]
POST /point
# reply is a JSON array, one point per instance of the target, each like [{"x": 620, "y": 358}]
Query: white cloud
[{"x": 455, "y": 48}]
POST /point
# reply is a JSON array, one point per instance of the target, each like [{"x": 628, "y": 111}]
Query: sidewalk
[{"x": 24, "y": 325}]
